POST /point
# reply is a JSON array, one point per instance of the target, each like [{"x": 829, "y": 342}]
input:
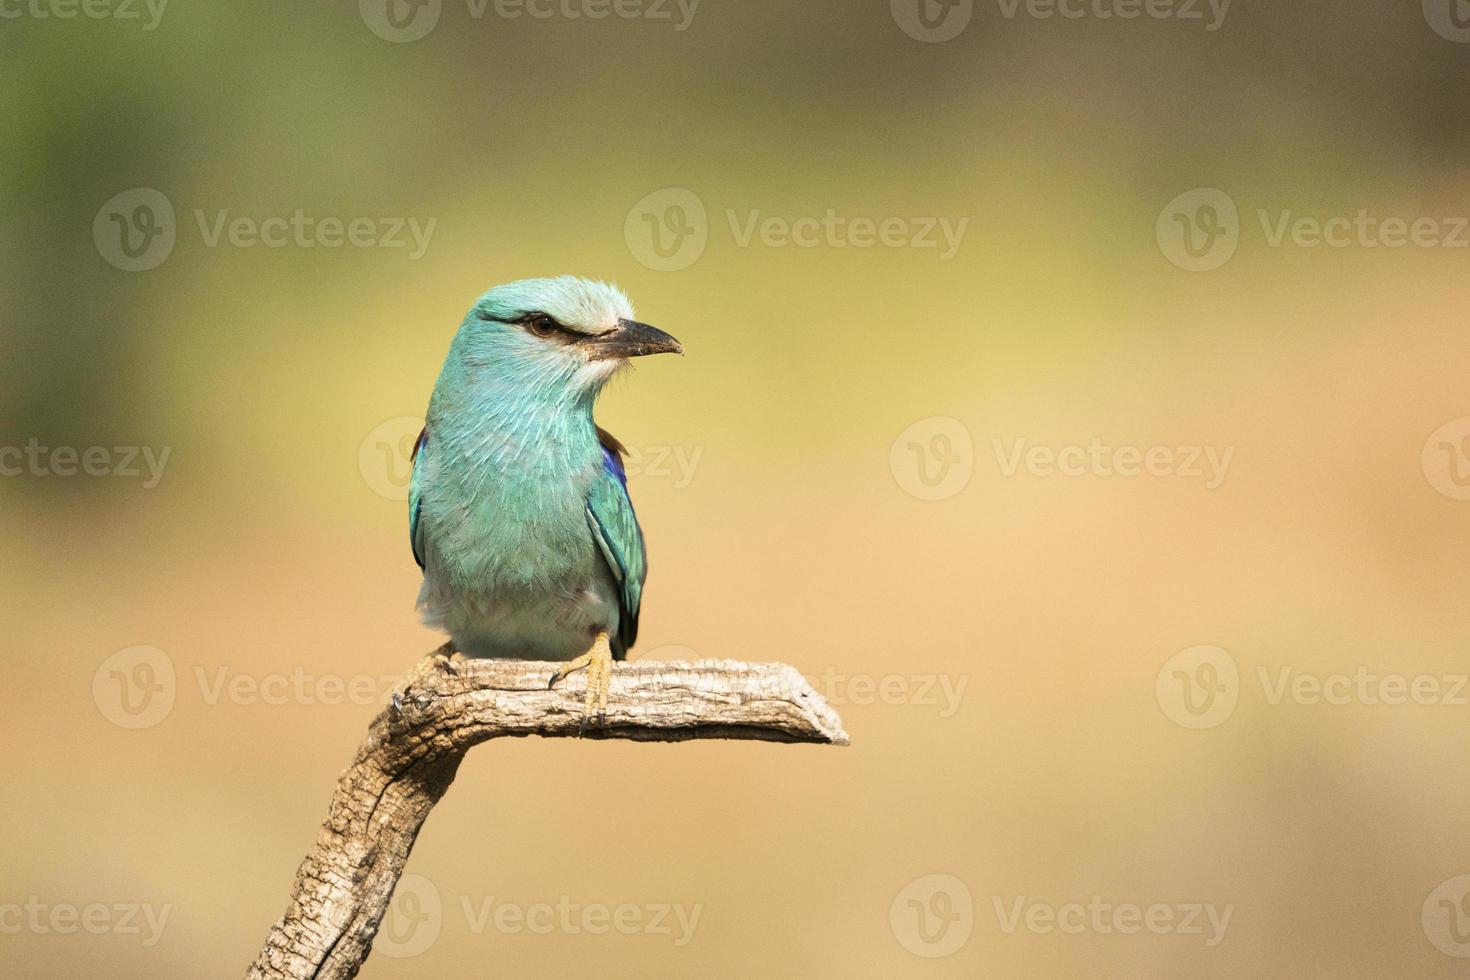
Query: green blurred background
[{"x": 824, "y": 389}]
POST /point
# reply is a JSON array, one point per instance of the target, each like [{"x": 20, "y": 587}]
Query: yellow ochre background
[{"x": 1072, "y": 692}]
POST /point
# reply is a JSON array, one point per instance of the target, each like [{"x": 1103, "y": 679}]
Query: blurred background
[{"x": 1079, "y": 394}]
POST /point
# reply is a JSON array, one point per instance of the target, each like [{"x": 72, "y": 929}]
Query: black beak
[{"x": 630, "y": 339}]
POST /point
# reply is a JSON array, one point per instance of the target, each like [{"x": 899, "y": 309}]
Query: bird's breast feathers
[{"x": 513, "y": 532}]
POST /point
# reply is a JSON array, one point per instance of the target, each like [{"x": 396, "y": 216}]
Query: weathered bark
[{"x": 447, "y": 705}]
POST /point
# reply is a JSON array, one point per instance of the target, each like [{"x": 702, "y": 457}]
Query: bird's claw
[
  {"x": 598, "y": 662},
  {"x": 583, "y": 724}
]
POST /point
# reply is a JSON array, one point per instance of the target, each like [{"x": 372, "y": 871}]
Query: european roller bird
[{"x": 518, "y": 507}]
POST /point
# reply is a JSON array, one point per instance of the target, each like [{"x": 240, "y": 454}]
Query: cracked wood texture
[{"x": 448, "y": 704}]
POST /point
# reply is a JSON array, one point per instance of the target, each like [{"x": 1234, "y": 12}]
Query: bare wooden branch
[{"x": 446, "y": 706}]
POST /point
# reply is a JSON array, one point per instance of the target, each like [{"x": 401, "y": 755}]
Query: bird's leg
[{"x": 598, "y": 662}]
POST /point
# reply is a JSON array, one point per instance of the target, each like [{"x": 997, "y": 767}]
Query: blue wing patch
[{"x": 615, "y": 528}]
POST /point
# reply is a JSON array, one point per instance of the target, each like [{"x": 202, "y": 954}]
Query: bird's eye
[{"x": 542, "y": 325}]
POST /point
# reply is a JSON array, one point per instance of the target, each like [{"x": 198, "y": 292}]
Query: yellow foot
[{"x": 598, "y": 662}]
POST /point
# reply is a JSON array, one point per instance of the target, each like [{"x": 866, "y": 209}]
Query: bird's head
[{"x": 566, "y": 334}]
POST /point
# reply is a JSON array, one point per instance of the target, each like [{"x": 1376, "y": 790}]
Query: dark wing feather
[
  {"x": 615, "y": 528},
  {"x": 415, "y": 497}
]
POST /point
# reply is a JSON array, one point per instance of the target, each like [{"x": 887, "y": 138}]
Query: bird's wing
[
  {"x": 415, "y": 496},
  {"x": 616, "y": 531}
]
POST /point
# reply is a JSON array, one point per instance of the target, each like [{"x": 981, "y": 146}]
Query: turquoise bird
[{"x": 518, "y": 508}]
